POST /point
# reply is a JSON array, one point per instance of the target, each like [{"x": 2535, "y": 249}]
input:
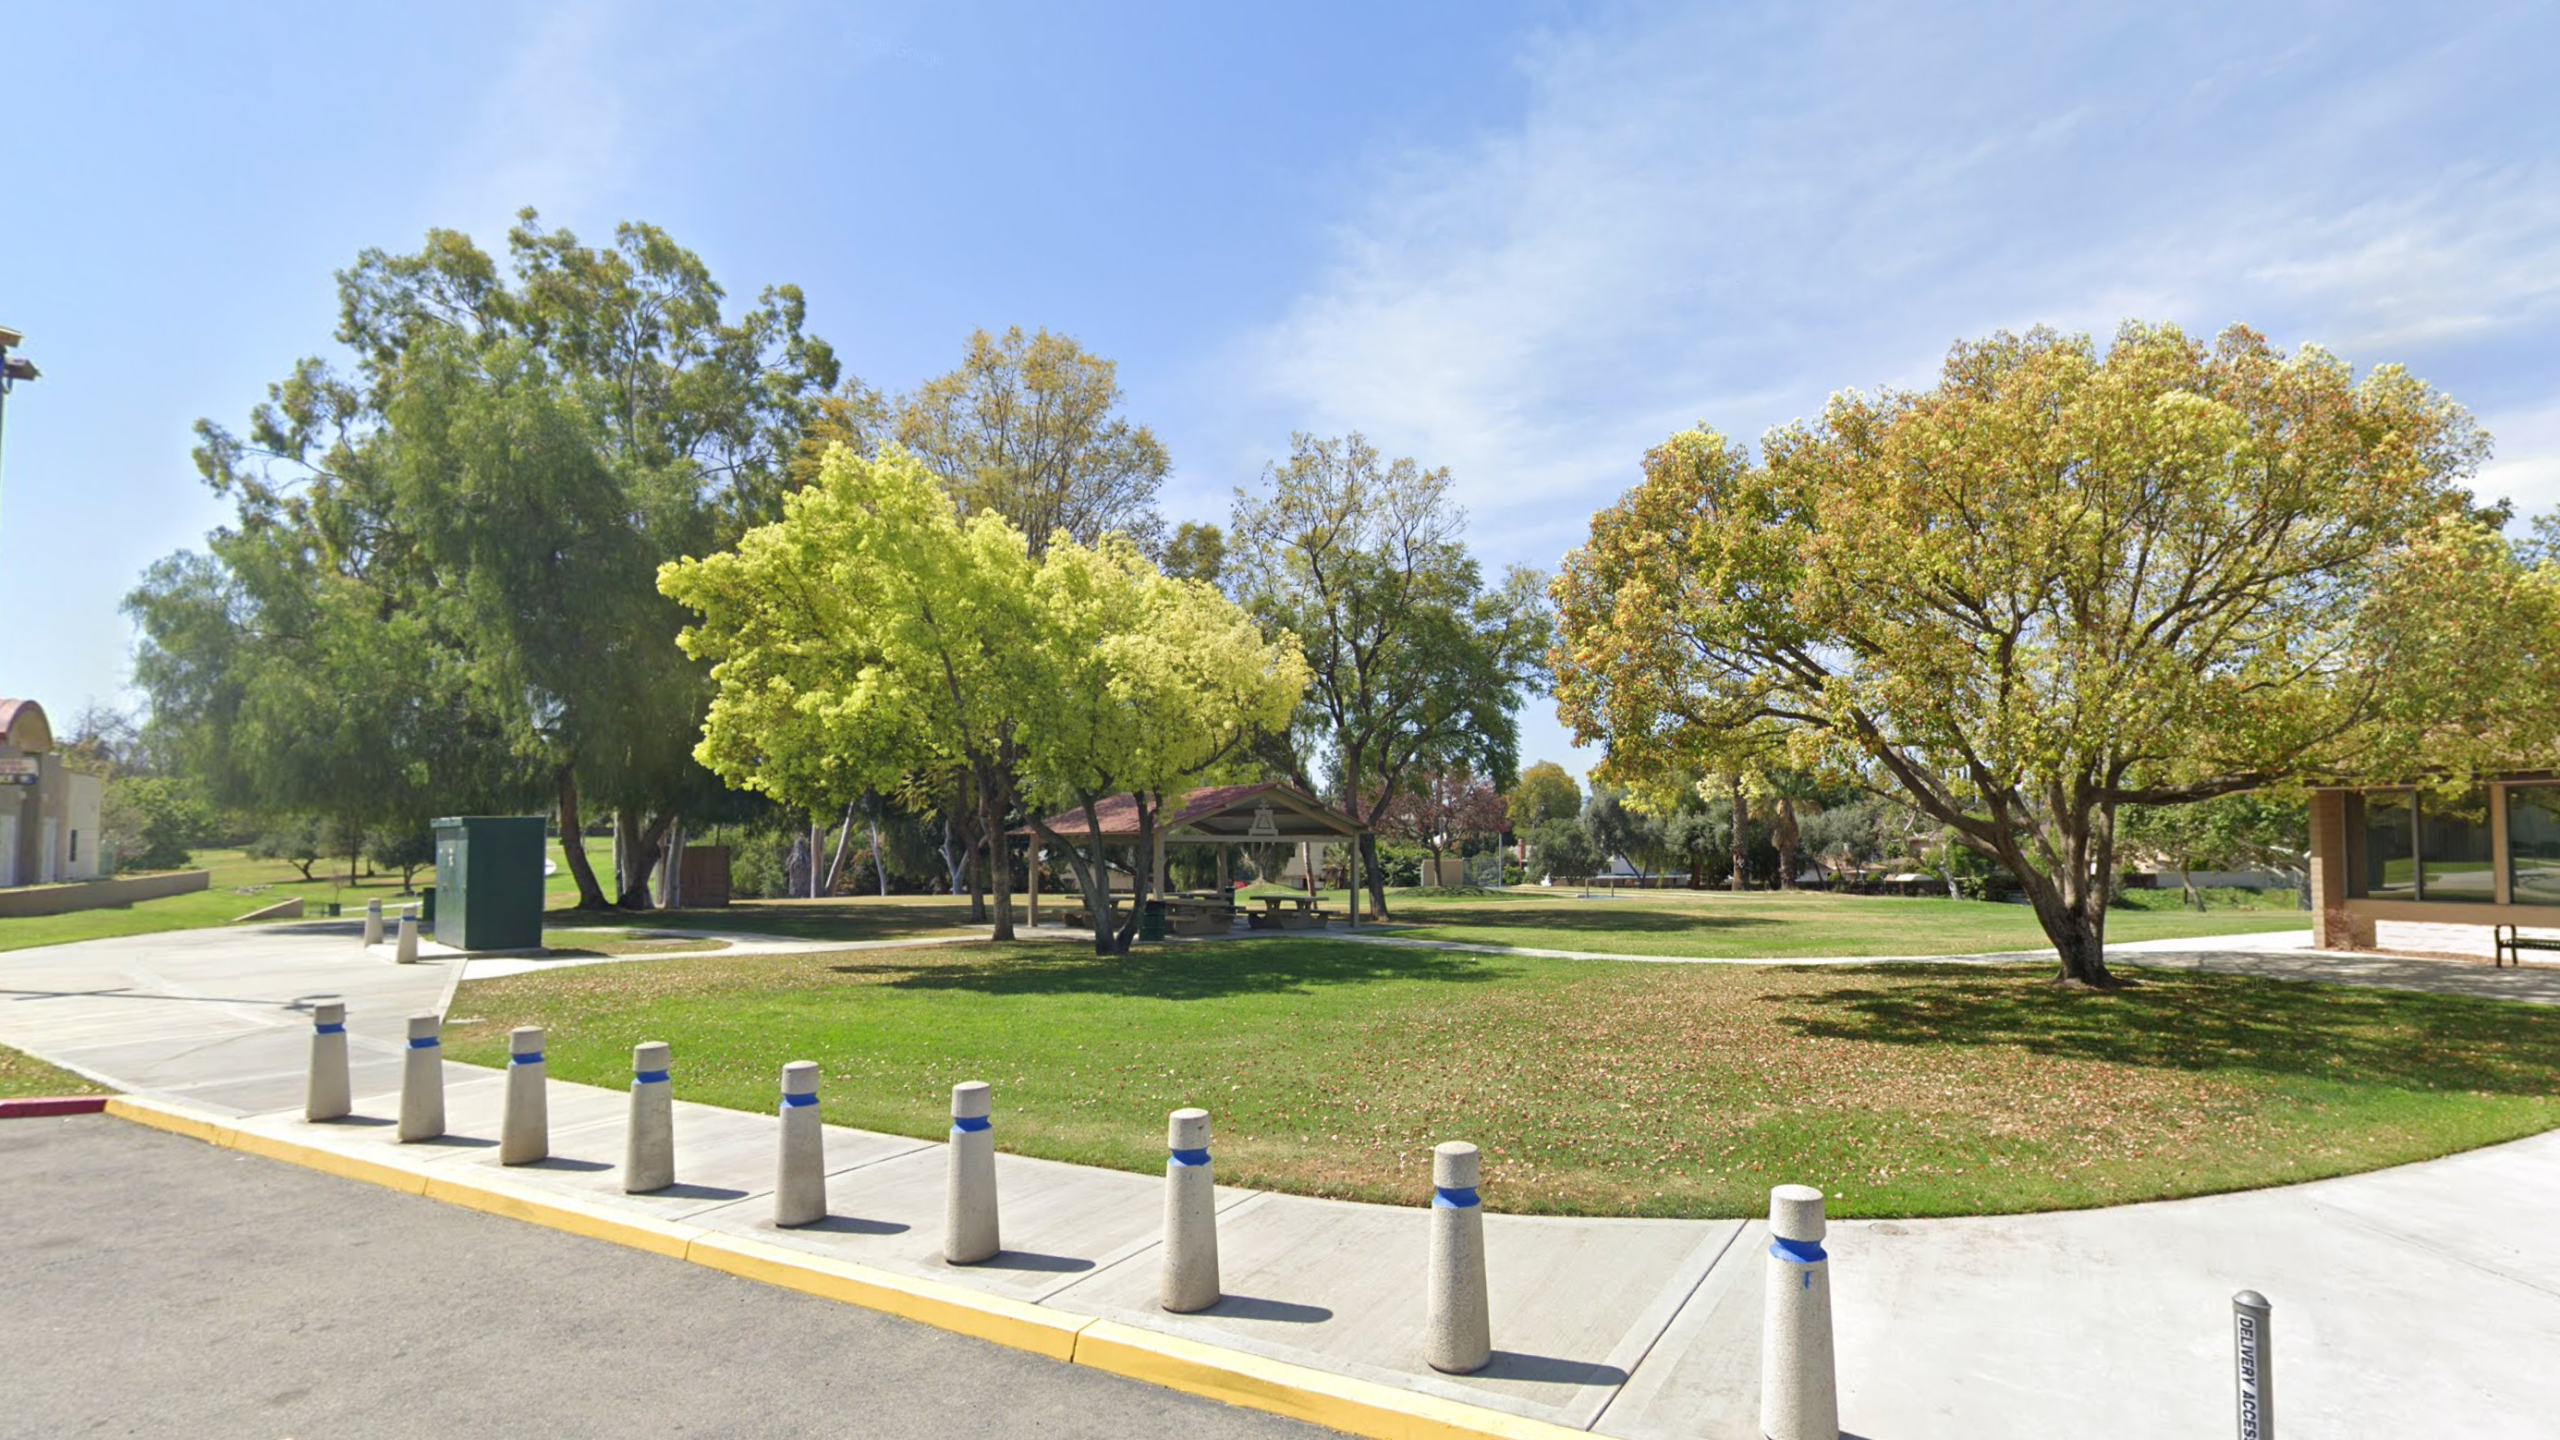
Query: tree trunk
[
  {"x": 640, "y": 856},
  {"x": 844, "y": 837},
  {"x": 1375, "y": 878},
  {"x": 997, "y": 867},
  {"x": 1741, "y": 822},
  {"x": 879, "y": 862},
  {"x": 2071, "y": 904},
  {"x": 573, "y": 843},
  {"x": 1784, "y": 834},
  {"x": 1142, "y": 873}
]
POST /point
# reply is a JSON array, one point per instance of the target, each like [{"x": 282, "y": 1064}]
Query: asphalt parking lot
[{"x": 151, "y": 1285}]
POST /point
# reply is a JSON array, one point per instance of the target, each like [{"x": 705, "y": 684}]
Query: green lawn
[
  {"x": 239, "y": 885},
  {"x": 24, "y": 1077},
  {"x": 1594, "y": 1087},
  {"x": 1716, "y": 925}
]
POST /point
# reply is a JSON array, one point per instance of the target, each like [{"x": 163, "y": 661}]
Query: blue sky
[{"x": 1521, "y": 240}]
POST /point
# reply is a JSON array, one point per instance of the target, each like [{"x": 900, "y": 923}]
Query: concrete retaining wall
[{"x": 99, "y": 894}]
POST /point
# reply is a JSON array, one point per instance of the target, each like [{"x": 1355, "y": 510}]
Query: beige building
[
  {"x": 48, "y": 815},
  {"x": 2485, "y": 856}
]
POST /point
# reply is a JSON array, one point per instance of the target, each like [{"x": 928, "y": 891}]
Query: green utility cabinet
[{"x": 489, "y": 882}]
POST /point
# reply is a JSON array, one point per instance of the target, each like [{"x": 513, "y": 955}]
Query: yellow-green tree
[
  {"x": 869, "y": 635},
  {"x": 2061, "y": 581},
  {"x": 1155, "y": 684}
]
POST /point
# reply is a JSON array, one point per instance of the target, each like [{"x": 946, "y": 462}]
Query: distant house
[{"x": 48, "y": 814}]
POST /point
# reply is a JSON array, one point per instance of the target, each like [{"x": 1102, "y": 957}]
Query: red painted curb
[{"x": 52, "y": 1105}]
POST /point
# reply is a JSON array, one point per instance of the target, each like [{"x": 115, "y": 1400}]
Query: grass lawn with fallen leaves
[
  {"x": 1594, "y": 1087},
  {"x": 24, "y": 1077},
  {"x": 1777, "y": 924}
]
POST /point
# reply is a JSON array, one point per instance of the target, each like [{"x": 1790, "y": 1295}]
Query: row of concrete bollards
[
  {"x": 405, "y": 931},
  {"x": 1798, "y": 1394}
]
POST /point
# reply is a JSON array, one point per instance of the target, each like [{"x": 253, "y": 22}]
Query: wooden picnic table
[{"x": 1303, "y": 902}]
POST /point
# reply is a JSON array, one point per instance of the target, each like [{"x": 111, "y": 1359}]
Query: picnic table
[{"x": 1306, "y": 916}]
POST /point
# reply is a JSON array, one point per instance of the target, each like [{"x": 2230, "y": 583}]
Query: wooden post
[{"x": 1353, "y": 868}]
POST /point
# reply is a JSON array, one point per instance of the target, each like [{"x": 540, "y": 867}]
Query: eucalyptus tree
[
  {"x": 489, "y": 480},
  {"x": 1415, "y": 663}
]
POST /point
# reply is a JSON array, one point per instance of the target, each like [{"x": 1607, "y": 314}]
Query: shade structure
[{"x": 1271, "y": 812}]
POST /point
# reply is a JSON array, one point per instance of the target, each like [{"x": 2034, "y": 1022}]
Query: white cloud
[{"x": 1726, "y": 216}]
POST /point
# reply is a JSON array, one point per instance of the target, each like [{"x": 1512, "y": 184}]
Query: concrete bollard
[
  {"x": 372, "y": 922},
  {"x": 1190, "y": 1215},
  {"x": 407, "y": 953},
  {"x": 1460, "y": 1337},
  {"x": 2253, "y": 1356},
  {"x": 800, "y": 1164},
  {"x": 328, "y": 1095},
  {"x": 422, "y": 1081},
  {"x": 1799, "y": 1394},
  {"x": 969, "y": 1199},
  {"x": 649, "y": 1155},
  {"x": 526, "y": 1134}
]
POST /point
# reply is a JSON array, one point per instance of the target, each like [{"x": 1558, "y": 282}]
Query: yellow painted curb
[
  {"x": 327, "y": 1162},
  {"x": 1358, "y": 1407},
  {"x": 162, "y": 1117},
  {"x": 658, "y": 1237},
  {"x": 1014, "y": 1323},
  {"x": 1300, "y": 1392}
]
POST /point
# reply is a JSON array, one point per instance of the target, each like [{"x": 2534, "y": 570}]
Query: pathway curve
[{"x": 2413, "y": 1301}]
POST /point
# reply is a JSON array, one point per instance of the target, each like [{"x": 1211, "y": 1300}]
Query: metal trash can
[
  {"x": 427, "y": 908},
  {"x": 1151, "y": 921}
]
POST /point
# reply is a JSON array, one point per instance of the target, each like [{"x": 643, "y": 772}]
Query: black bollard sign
[{"x": 2253, "y": 1355}]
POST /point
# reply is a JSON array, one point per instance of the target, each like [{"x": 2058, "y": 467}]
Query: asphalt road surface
[{"x": 152, "y": 1285}]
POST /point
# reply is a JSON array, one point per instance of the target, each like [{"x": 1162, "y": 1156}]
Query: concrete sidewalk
[{"x": 2411, "y": 1301}]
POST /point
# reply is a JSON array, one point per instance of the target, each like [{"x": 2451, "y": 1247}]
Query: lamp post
[{"x": 13, "y": 368}]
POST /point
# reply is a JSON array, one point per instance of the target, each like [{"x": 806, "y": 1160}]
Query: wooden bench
[{"x": 2506, "y": 941}]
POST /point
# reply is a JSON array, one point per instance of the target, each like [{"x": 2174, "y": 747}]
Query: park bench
[{"x": 2506, "y": 940}]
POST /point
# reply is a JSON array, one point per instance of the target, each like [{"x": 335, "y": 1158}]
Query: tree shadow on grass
[
  {"x": 1595, "y": 918},
  {"x": 2204, "y": 1024},
  {"x": 1190, "y": 972}
]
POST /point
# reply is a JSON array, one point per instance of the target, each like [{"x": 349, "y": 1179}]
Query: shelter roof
[
  {"x": 22, "y": 724},
  {"x": 1271, "y": 811}
]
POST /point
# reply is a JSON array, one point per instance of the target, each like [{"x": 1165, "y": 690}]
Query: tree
[
  {"x": 152, "y": 822},
  {"x": 407, "y": 850},
  {"x": 1197, "y": 552},
  {"x": 868, "y": 637},
  {"x": 1544, "y": 792},
  {"x": 2229, "y": 832},
  {"x": 1151, "y": 684},
  {"x": 1445, "y": 807},
  {"x": 457, "y": 539},
  {"x": 1789, "y": 792},
  {"x": 1564, "y": 848},
  {"x": 2058, "y": 583},
  {"x": 298, "y": 841},
  {"x": 1618, "y": 828},
  {"x": 1025, "y": 429},
  {"x": 1414, "y": 661}
]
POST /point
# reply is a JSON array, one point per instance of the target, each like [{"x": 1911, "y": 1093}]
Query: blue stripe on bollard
[
  {"x": 1190, "y": 1157},
  {"x": 328, "y": 1029},
  {"x": 1446, "y": 1198},
  {"x": 429, "y": 1043},
  {"x": 533, "y": 1059},
  {"x": 795, "y": 1101},
  {"x": 1802, "y": 1252},
  {"x": 648, "y": 1077},
  {"x": 974, "y": 1123}
]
